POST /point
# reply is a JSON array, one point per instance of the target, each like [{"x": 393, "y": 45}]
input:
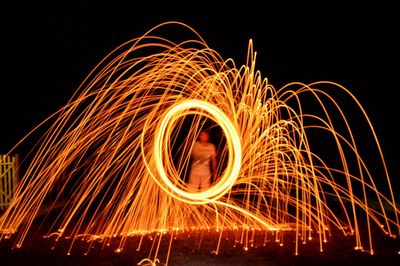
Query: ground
[{"x": 196, "y": 248}]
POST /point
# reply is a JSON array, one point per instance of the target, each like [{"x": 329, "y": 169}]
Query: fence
[{"x": 8, "y": 179}]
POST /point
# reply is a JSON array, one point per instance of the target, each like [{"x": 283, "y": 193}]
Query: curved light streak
[
  {"x": 234, "y": 147},
  {"x": 103, "y": 167}
]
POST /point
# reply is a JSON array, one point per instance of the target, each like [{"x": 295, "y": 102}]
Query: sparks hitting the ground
[{"x": 116, "y": 159}]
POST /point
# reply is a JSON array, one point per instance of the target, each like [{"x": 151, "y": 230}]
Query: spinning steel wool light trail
[{"x": 116, "y": 155}]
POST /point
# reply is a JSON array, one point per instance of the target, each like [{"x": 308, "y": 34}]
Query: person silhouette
[{"x": 203, "y": 163}]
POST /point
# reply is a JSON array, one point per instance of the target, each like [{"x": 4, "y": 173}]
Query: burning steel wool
[{"x": 112, "y": 162}]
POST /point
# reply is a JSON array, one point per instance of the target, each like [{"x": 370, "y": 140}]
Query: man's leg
[
  {"x": 194, "y": 183},
  {"x": 205, "y": 182}
]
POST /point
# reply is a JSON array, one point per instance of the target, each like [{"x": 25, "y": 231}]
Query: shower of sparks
[{"x": 116, "y": 158}]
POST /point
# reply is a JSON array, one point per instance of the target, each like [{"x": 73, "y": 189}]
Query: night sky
[{"x": 48, "y": 53}]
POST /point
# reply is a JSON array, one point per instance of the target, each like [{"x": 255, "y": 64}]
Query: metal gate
[{"x": 8, "y": 179}]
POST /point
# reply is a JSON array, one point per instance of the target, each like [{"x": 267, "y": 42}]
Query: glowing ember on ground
[{"x": 108, "y": 156}]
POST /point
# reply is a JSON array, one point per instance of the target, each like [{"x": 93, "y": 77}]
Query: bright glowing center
[{"x": 234, "y": 147}]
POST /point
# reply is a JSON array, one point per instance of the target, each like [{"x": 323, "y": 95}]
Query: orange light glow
[{"x": 107, "y": 155}]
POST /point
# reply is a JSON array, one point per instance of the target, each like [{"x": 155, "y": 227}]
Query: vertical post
[
  {"x": 8, "y": 185},
  {"x": 16, "y": 173},
  {"x": 2, "y": 178}
]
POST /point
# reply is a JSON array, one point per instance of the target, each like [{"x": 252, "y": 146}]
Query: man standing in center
[{"x": 204, "y": 163}]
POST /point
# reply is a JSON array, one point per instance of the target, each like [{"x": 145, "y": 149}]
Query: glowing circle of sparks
[
  {"x": 105, "y": 163},
  {"x": 233, "y": 142}
]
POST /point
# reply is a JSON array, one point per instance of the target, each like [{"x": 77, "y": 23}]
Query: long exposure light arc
[
  {"x": 234, "y": 160},
  {"x": 106, "y": 156}
]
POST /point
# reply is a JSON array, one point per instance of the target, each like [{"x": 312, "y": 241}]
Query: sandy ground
[{"x": 196, "y": 248}]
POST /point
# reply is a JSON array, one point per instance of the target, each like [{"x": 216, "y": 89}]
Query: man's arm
[
  {"x": 214, "y": 166},
  {"x": 214, "y": 163}
]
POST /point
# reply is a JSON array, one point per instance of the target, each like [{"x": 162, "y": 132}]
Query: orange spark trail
[{"x": 108, "y": 154}]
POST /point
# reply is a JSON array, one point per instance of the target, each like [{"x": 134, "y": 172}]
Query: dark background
[{"x": 49, "y": 50}]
